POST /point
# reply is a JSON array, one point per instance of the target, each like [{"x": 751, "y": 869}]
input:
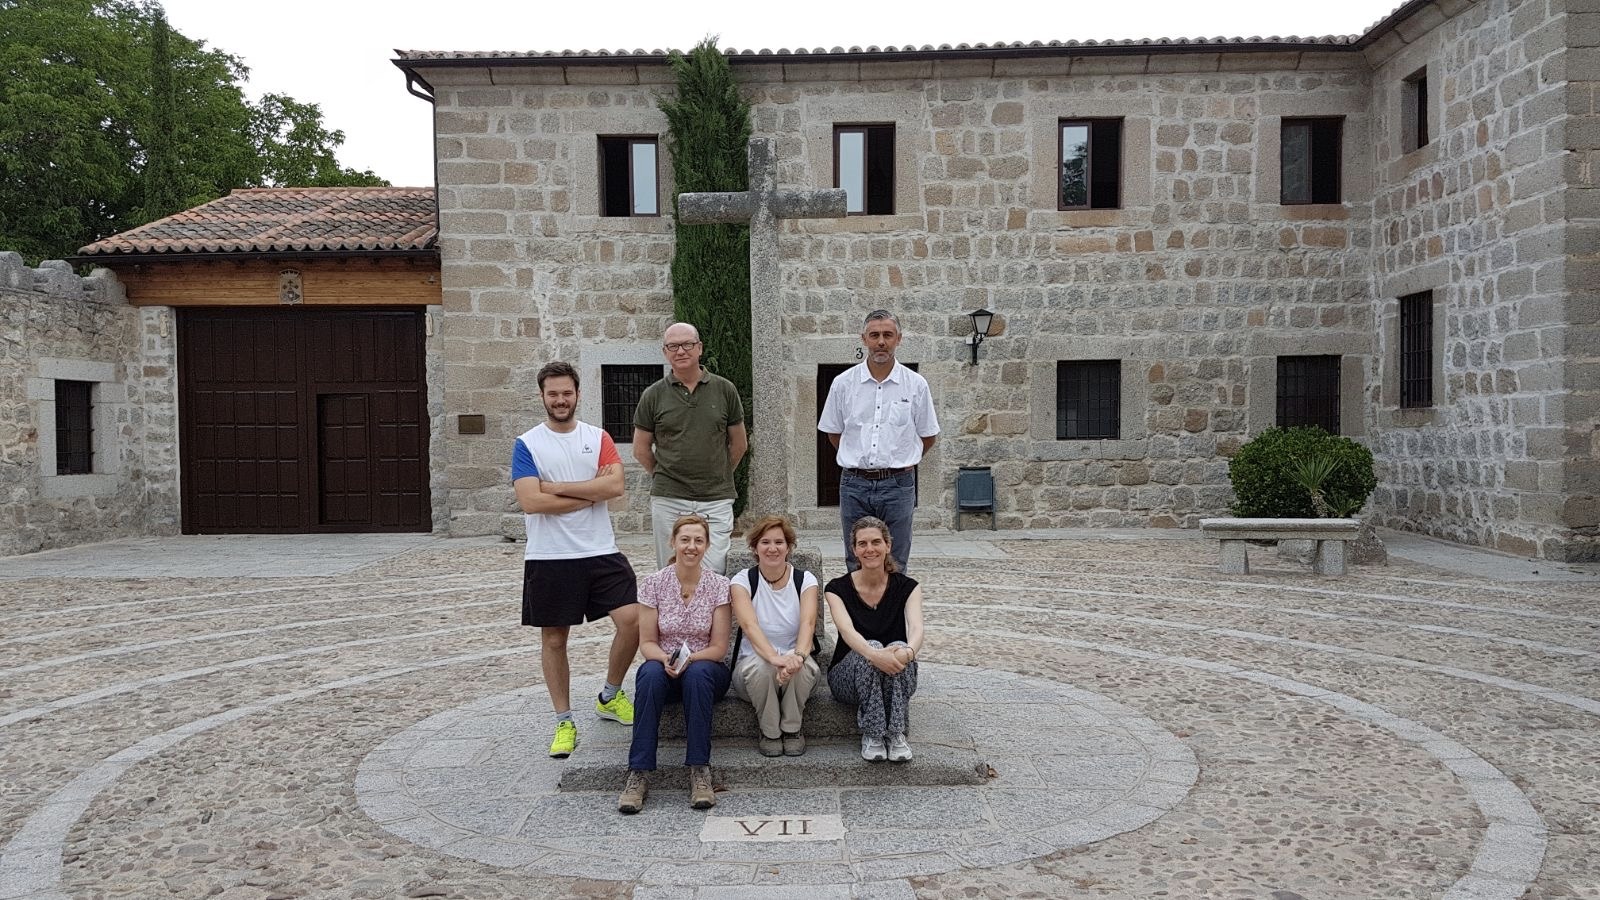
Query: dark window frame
[
  {"x": 1318, "y": 192},
  {"x": 871, "y": 160},
  {"x": 74, "y": 427},
  {"x": 1304, "y": 396},
  {"x": 629, "y": 140},
  {"x": 1416, "y": 350},
  {"x": 1090, "y": 123},
  {"x": 1096, "y": 384},
  {"x": 620, "y": 388},
  {"x": 1415, "y": 105}
]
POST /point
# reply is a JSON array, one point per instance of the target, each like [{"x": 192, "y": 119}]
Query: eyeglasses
[{"x": 681, "y": 345}]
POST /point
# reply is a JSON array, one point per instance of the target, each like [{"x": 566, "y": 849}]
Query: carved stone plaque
[
  {"x": 289, "y": 289},
  {"x": 798, "y": 827}
]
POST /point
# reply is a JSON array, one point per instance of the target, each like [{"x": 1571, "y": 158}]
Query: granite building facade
[{"x": 1438, "y": 304}]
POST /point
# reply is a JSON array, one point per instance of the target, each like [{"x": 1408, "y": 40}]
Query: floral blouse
[{"x": 679, "y": 620}]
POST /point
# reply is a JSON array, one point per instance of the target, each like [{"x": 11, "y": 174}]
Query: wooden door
[
  {"x": 300, "y": 420},
  {"x": 827, "y": 456}
]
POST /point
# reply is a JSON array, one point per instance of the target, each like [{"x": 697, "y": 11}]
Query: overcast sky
[{"x": 336, "y": 53}]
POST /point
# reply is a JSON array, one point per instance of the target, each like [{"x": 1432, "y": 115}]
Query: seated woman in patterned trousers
[{"x": 878, "y": 612}]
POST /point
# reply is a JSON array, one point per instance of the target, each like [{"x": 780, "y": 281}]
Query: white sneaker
[
  {"x": 899, "y": 750},
  {"x": 872, "y": 748}
]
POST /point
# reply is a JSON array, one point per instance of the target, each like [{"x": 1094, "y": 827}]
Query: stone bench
[
  {"x": 1330, "y": 536},
  {"x": 945, "y": 752}
]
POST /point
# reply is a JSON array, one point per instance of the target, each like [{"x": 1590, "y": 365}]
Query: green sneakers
[
  {"x": 620, "y": 709},
  {"x": 566, "y": 740}
]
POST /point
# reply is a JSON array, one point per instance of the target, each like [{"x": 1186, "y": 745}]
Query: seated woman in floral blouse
[{"x": 684, "y": 625}]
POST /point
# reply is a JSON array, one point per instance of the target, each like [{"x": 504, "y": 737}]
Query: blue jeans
[
  {"x": 891, "y": 499},
  {"x": 700, "y": 686}
]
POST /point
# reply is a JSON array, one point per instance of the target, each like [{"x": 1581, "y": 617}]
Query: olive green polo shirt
[{"x": 691, "y": 435}]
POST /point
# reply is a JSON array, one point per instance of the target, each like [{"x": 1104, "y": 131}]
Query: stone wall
[
  {"x": 56, "y": 325},
  {"x": 1196, "y": 285},
  {"x": 533, "y": 273},
  {"x": 1476, "y": 217},
  {"x": 1580, "y": 512}
]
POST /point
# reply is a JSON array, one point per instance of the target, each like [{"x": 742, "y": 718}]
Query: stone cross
[{"x": 762, "y": 206}]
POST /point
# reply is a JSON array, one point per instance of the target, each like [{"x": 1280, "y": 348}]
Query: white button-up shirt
[{"x": 881, "y": 424}]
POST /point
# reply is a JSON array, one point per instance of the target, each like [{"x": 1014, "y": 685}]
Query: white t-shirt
[
  {"x": 576, "y": 455},
  {"x": 778, "y": 614}
]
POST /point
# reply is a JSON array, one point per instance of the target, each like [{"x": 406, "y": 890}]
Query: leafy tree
[
  {"x": 296, "y": 148},
  {"x": 109, "y": 118},
  {"x": 708, "y": 134}
]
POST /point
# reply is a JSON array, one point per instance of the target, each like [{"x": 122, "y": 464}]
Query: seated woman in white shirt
[{"x": 774, "y": 670}]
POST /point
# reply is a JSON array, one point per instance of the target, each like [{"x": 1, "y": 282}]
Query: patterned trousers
[{"x": 881, "y": 701}]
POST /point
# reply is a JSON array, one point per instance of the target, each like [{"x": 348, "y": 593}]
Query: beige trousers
[
  {"x": 778, "y": 709},
  {"x": 718, "y": 513}
]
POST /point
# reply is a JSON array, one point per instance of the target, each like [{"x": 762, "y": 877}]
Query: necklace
[
  {"x": 774, "y": 581},
  {"x": 686, "y": 590}
]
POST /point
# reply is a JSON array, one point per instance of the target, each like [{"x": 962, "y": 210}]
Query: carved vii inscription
[{"x": 773, "y": 828}]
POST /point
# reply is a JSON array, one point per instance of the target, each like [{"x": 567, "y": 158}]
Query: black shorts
[{"x": 557, "y": 592}]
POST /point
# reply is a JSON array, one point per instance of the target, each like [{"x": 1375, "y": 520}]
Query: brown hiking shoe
[
  {"x": 794, "y": 744},
  {"x": 771, "y": 746},
  {"x": 701, "y": 796},
  {"x": 633, "y": 793}
]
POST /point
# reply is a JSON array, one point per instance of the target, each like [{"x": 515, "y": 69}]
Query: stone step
[
  {"x": 734, "y": 718},
  {"x": 944, "y": 751},
  {"x": 825, "y": 717},
  {"x": 831, "y": 763}
]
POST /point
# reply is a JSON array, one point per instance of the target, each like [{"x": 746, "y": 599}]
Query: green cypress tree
[
  {"x": 161, "y": 196},
  {"x": 708, "y": 135}
]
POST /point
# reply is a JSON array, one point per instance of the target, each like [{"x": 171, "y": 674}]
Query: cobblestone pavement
[{"x": 193, "y": 725}]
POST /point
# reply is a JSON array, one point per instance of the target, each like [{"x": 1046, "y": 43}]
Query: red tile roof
[
  {"x": 287, "y": 220},
  {"x": 410, "y": 59}
]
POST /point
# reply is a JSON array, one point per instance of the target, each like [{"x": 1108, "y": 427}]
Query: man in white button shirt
[{"x": 879, "y": 417}]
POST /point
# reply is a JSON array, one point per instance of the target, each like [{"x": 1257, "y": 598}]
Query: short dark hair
[{"x": 556, "y": 369}]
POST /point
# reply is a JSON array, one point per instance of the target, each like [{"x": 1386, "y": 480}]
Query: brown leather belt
[{"x": 876, "y": 474}]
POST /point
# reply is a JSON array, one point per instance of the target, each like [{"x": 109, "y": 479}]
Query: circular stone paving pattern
[{"x": 1069, "y": 768}]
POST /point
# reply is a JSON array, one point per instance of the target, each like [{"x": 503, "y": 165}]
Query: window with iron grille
[
  {"x": 620, "y": 387},
  {"x": 1309, "y": 160},
  {"x": 628, "y": 177},
  {"x": 1088, "y": 400},
  {"x": 863, "y": 164},
  {"x": 1091, "y": 164},
  {"x": 74, "y": 428},
  {"x": 1416, "y": 350},
  {"x": 1308, "y": 392}
]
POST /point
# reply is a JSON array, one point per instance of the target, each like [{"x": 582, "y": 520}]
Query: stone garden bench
[{"x": 1330, "y": 535}]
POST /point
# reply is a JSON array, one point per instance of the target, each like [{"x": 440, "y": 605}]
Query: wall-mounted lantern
[{"x": 982, "y": 320}]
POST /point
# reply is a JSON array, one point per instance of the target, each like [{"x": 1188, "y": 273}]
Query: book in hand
[{"x": 679, "y": 658}]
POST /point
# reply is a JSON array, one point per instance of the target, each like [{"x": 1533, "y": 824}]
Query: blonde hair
[
  {"x": 766, "y": 524},
  {"x": 690, "y": 519},
  {"x": 865, "y": 522}
]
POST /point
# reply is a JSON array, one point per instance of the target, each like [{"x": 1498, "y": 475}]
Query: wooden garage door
[{"x": 302, "y": 420}]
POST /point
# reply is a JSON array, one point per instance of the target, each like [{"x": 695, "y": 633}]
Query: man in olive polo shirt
[{"x": 688, "y": 433}]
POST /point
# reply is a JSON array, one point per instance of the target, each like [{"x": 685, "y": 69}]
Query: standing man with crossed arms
[
  {"x": 879, "y": 417},
  {"x": 564, "y": 471},
  {"x": 689, "y": 434}
]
